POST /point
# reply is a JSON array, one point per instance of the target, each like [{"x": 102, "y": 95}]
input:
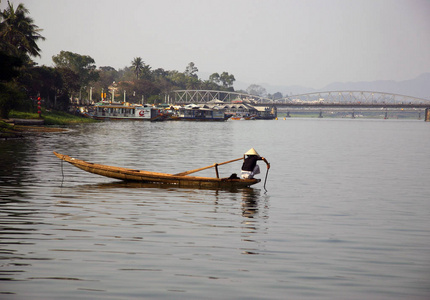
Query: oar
[
  {"x": 267, "y": 172},
  {"x": 204, "y": 168}
]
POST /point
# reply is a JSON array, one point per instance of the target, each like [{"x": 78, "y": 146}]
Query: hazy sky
[{"x": 280, "y": 42}]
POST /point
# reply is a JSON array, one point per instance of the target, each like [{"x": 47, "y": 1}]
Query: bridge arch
[
  {"x": 330, "y": 97},
  {"x": 204, "y": 96},
  {"x": 345, "y": 97}
]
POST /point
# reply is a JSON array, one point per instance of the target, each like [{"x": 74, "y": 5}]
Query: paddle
[
  {"x": 204, "y": 168},
  {"x": 267, "y": 172}
]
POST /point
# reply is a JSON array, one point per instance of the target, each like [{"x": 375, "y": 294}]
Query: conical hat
[{"x": 252, "y": 152}]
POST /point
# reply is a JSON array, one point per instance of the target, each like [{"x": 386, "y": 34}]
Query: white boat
[{"x": 127, "y": 111}]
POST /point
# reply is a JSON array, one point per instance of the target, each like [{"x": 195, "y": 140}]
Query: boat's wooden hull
[{"x": 154, "y": 177}]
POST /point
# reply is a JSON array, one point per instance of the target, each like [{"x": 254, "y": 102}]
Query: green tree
[
  {"x": 107, "y": 75},
  {"x": 43, "y": 81},
  {"x": 161, "y": 80},
  {"x": 226, "y": 79},
  {"x": 11, "y": 97},
  {"x": 209, "y": 85},
  {"x": 10, "y": 93},
  {"x": 146, "y": 72},
  {"x": 145, "y": 88},
  {"x": 137, "y": 66},
  {"x": 70, "y": 80},
  {"x": 18, "y": 42},
  {"x": 159, "y": 73},
  {"x": 126, "y": 73},
  {"x": 140, "y": 69},
  {"x": 128, "y": 88},
  {"x": 191, "y": 70},
  {"x": 178, "y": 79},
  {"x": 83, "y": 65},
  {"x": 193, "y": 83},
  {"x": 18, "y": 33},
  {"x": 9, "y": 66},
  {"x": 215, "y": 78}
]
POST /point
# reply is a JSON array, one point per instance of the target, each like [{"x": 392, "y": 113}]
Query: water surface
[{"x": 346, "y": 214}]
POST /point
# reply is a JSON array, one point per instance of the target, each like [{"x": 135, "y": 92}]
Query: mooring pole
[{"x": 39, "y": 108}]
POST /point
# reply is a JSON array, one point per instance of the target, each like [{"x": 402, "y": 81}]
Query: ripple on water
[{"x": 345, "y": 215}]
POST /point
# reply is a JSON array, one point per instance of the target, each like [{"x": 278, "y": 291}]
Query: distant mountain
[
  {"x": 271, "y": 89},
  {"x": 418, "y": 87}
]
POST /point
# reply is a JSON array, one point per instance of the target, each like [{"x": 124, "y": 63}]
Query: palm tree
[
  {"x": 19, "y": 33},
  {"x": 137, "y": 65}
]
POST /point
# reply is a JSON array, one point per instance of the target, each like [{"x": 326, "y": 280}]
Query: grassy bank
[
  {"x": 8, "y": 130},
  {"x": 51, "y": 117}
]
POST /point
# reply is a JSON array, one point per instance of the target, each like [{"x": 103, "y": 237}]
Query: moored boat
[
  {"x": 127, "y": 111},
  {"x": 241, "y": 118},
  {"x": 194, "y": 112},
  {"x": 180, "y": 179}
]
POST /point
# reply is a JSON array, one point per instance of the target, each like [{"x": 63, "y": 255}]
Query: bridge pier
[{"x": 427, "y": 115}]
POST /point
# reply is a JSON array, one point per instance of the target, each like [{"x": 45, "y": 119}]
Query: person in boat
[{"x": 249, "y": 166}]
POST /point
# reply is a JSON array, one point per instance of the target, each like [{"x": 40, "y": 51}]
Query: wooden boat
[{"x": 180, "y": 179}]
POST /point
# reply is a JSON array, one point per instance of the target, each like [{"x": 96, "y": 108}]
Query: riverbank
[
  {"x": 20, "y": 124},
  {"x": 50, "y": 117}
]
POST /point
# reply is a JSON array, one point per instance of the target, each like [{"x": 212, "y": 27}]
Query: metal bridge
[
  {"x": 204, "y": 96},
  {"x": 316, "y": 99}
]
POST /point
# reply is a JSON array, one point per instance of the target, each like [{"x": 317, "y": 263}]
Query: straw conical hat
[{"x": 252, "y": 152}]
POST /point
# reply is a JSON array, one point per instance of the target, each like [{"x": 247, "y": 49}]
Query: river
[{"x": 346, "y": 214}]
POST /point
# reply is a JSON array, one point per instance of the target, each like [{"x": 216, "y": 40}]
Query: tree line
[{"x": 76, "y": 77}]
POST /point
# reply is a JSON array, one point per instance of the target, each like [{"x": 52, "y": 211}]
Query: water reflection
[
  {"x": 18, "y": 221},
  {"x": 255, "y": 213},
  {"x": 19, "y": 225},
  {"x": 15, "y": 167},
  {"x": 248, "y": 194},
  {"x": 253, "y": 205},
  {"x": 250, "y": 202}
]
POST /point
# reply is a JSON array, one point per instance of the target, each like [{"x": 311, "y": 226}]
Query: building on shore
[{"x": 244, "y": 109}]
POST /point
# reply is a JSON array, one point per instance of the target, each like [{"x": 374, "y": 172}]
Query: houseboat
[
  {"x": 245, "y": 110},
  {"x": 196, "y": 113},
  {"x": 126, "y": 111}
]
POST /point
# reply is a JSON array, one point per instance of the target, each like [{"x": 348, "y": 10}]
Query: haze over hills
[{"x": 418, "y": 87}]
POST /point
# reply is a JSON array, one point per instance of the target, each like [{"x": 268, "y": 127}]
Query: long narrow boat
[{"x": 180, "y": 179}]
